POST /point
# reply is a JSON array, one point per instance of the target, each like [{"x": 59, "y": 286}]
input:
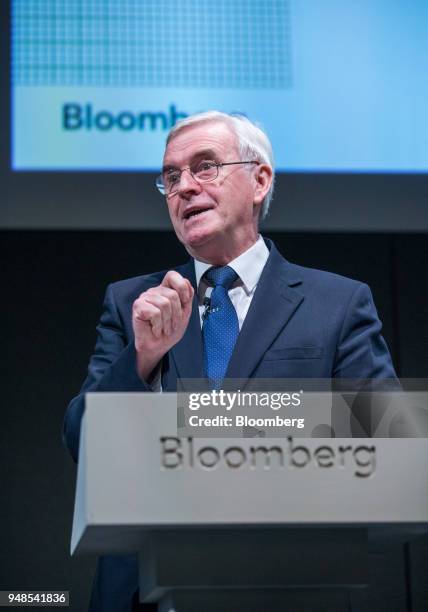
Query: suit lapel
[
  {"x": 271, "y": 308},
  {"x": 188, "y": 353},
  {"x": 274, "y": 302}
]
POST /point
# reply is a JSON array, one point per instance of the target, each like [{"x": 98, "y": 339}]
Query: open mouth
[{"x": 195, "y": 213}]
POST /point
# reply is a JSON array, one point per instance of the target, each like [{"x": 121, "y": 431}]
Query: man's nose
[{"x": 188, "y": 184}]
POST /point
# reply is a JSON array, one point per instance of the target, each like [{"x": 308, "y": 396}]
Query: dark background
[{"x": 55, "y": 283}]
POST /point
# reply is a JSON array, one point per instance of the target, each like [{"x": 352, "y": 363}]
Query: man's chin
[
  {"x": 198, "y": 237},
  {"x": 200, "y": 244}
]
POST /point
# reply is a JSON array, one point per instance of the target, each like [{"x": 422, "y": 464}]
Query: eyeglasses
[{"x": 204, "y": 171}]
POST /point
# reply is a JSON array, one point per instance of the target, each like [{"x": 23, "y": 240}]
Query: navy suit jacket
[{"x": 302, "y": 323}]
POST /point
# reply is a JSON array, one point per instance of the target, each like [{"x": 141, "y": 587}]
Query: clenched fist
[{"x": 159, "y": 318}]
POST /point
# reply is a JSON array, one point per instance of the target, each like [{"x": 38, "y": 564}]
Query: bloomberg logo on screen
[{"x": 84, "y": 117}]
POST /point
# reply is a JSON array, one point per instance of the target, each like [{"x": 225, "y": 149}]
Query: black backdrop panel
[
  {"x": 411, "y": 273},
  {"x": 54, "y": 284}
]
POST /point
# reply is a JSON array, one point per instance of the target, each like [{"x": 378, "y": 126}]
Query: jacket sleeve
[
  {"x": 362, "y": 353},
  {"x": 112, "y": 367}
]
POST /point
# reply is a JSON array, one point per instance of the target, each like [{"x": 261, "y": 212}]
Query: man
[{"x": 237, "y": 309}]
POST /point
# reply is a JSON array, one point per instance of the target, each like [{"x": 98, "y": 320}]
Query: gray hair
[{"x": 253, "y": 142}]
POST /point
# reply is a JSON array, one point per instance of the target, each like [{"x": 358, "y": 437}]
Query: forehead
[{"x": 194, "y": 139}]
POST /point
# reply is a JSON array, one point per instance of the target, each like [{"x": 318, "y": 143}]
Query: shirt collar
[{"x": 249, "y": 265}]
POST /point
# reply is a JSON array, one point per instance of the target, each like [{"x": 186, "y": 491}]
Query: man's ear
[{"x": 263, "y": 177}]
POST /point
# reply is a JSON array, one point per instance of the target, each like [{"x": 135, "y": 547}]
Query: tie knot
[{"x": 224, "y": 276}]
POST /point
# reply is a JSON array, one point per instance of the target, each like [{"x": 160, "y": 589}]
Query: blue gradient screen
[{"x": 339, "y": 85}]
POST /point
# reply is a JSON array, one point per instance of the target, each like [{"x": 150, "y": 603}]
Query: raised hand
[{"x": 160, "y": 317}]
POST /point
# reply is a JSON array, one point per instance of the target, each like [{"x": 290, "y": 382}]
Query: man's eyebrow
[
  {"x": 204, "y": 154},
  {"x": 168, "y": 167}
]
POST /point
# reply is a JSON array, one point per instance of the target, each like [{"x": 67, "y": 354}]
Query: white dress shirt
[{"x": 249, "y": 266}]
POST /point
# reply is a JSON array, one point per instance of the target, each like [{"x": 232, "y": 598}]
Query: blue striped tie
[{"x": 221, "y": 328}]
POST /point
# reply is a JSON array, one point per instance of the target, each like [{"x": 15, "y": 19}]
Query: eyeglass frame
[{"x": 159, "y": 179}]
